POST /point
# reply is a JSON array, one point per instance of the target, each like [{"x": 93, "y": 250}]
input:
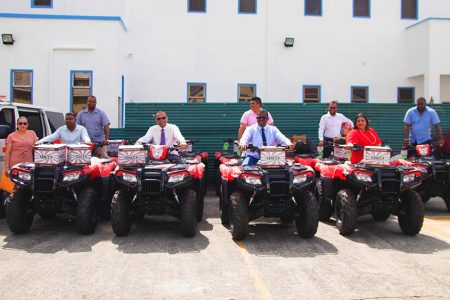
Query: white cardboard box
[
  {"x": 272, "y": 156},
  {"x": 49, "y": 154},
  {"x": 378, "y": 156},
  {"x": 131, "y": 155},
  {"x": 78, "y": 154}
]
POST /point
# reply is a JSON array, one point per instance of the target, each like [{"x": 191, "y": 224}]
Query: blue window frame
[
  {"x": 80, "y": 88},
  {"x": 410, "y": 9},
  {"x": 246, "y": 91},
  {"x": 198, "y": 6},
  {"x": 406, "y": 94},
  {"x": 196, "y": 92},
  {"x": 247, "y": 6},
  {"x": 311, "y": 93},
  {"x": 21, "y": 88},
  {"x": 361, "y": 8},
  {"x": 359, "y": 94},
  {"x": 42, "y": 3},
  {"x": 313, "y": 7}
]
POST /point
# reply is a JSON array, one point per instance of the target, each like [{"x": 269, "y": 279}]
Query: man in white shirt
[
  {"x": 261, "y": 135},
  {"x": 164, "y": 134},
  {"x": 330, "y": 127},
  {"x": 71, "y": 133}
]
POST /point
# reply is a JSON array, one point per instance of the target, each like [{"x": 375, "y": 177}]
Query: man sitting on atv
[
  {"x": 362, "y": 135},
  {"x": 71, "y": 133},
  {"x": 261, "y": 135},
  {"x": 164, "y": 133}
]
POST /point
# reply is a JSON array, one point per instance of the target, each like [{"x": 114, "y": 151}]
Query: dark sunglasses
[
  {"x": 161, "y": 118},
  {"x": 22, "y": 123},
  {"x": 333, "y": 107},
  {"x": 261, "y": 117}
]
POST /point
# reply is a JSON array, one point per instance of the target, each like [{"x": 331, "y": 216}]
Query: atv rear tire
[
  {"x": 19, "y": 214},
  {"x": 307, "y": 218},
  {"x": 346, "y": 212},
  {"x": 238, "y": 216},
  {"x": 3, "y": 196},
  {"x": 410, "y": 217},
  {"x": 447, "y": 199},
  {"x": 188, "y": 213},
  {"x": 120, "y": 214},
  {"x": 87, "y": 210},
  {"x": 380, "y": 216},
  {"x": 325, "y": 208},
  {"x": 224, "y": 209},
  {"x": 201, "y": 202}
]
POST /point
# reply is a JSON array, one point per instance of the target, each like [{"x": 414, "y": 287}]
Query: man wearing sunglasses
[
  {"x": 249, "y": 117},
  {"x": 164, "y": 133},
  {"x": 330, "y": 127},
  {"x": 71, "y": 133},
  {"x": 261, "y": 135}
]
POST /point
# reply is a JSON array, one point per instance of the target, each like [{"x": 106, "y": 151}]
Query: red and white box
[
  {"x": 49, "y": 154},
  {"x": 377, "y": 156},
  {"x": 272, "y": 156},
  {"x": 131, "y": 155},
  {"x": 78, "y": 154}
]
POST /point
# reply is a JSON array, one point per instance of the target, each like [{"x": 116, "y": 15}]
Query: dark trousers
[{"x": 328, "y": 147}]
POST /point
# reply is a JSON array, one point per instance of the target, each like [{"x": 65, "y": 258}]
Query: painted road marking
[
  {"x": 439, "y": 225},
  {"x": 259, "y": 282}
]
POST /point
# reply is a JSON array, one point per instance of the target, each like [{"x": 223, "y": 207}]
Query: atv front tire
[
  {"x": 87, "y": 210},
  {"x": 307, "y": 217},
  {"x": 224, "y": 209},
  {"x": 346, "y": 212},
  {"x": 188, "y": 213},
  {"x": 238, "y": 216},
  {"x": 19, "y": 214},
  {"x": 120, "y": 214},
  {"x": 410, "y": 217},
  {"x": 325, "y": 208}
]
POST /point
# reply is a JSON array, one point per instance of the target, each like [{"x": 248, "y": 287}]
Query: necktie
[
  {"x": 263, "y": 137},
  {"x": 163, "y": 137}
]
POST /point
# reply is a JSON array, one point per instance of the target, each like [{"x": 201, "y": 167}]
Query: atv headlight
[
  {"x": 363, "y": 177},
  {"x": 252, "y": 179},
  {"x": 71, "y": 176},
  {"x": 177, "y": 177},
  {"x": 409, "y": 177},
  {"x": 300, "y": 179},
  {"x": 129, "y": 177}
]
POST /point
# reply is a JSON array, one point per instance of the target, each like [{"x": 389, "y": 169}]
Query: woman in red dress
[
  {"x": 361, "y": 135},
  {"x": 19, "y": 145}
]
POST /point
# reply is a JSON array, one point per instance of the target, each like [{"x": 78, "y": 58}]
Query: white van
[{"x": 42, "y": 120}]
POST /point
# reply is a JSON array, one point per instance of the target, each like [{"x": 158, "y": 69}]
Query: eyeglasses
[
  {"x": 261, "y": 118},
  {"x": 333, "y": 107},
  {"x": 22, "y": 123},
  {"x": 161, "y": 118}
]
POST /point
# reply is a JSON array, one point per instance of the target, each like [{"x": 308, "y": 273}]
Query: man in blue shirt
[
  {"x": 71, "y": 133},
  {"x": 418, "y": 122},
  {"x": 97, "y": 125},
  {"x": 261, "y": 135}
]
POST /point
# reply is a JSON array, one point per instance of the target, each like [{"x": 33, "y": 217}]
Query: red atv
[
  {"x": 275, "y": 187},
  {"x": 62, "y": 179},
  {"x": 149, "y": 184},
  {"x": 229, "y": 153},
  {"x": 436, "y": 170},
  {"x": 373, "y": 186}
]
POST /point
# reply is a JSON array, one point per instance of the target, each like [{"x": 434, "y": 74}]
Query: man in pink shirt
[{"x": 249, "y": 117}]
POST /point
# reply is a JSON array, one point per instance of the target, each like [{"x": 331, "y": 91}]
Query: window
[
  {"x": 405, "y": 94},
  {"x": 313, "y": 7},
  {"x": 246, "y": 92},
  {"x": 360, "y": 94},
  {"x": 196, "y": 92},
  {"x": 197, "y": 5},
  {"x": 42, "y": 3},
  {"x": 247, "y": 6},
  {"x": 361, "y": 8},
  {"x": 55, "y": 120},
  {"x": 34, "y": 121},
  {"x": 311, "y": 93},
  {"x": 22, "y": 86},
  {"x": 81, "y": 89},
  {"x": 409, "y": 9}
]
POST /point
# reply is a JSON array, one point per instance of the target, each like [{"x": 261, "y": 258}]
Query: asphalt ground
[{"x": 53, "y": 261}]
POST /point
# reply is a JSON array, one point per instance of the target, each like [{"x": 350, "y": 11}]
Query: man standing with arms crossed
[
  {"x": 330, "y": 127},
  {"x": 97, "y": 125}
]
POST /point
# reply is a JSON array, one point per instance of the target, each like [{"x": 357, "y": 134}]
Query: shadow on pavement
[
  {"x": 53, "y": 235},
  {"x": 275, "y": 239},
  {"x": 157, "y": 234}
]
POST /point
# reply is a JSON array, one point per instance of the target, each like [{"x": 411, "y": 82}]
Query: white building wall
[{"x": 163, "y": 47}]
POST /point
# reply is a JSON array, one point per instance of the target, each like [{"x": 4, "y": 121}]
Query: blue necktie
[
  {"x": 263, "y": 137},
  {"x": 163, "y": 137}
]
